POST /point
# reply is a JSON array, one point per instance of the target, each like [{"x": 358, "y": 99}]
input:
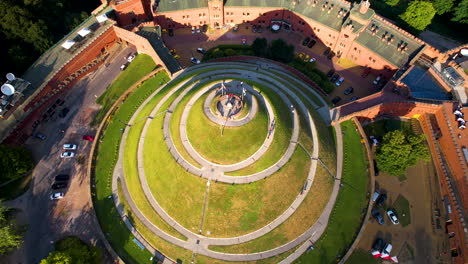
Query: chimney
[{"x": 364, "y": 6}]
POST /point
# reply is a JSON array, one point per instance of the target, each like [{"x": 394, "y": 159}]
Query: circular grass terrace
[{"x": 194, "y": 188}]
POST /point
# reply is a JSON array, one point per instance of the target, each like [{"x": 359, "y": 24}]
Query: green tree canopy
[
  {"x": 392, "y": 2},
  {"x": 400, "y": 151},
  {"x": 260, "y": 46},
  {"x": 281, "y": 51},
  {"x": 419, "y": 14},
  {"x": 74, "y": 251},
  {"x": 10, "y": 238},
  {"x": 461, "y": 12},
  {"x": 442, "y": 6},
  {"x": 14, "y": 161}
]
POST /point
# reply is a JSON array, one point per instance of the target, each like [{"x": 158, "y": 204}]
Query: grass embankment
[
  {"x": 140, "y": 67},
  {"x": 346, "y": 217},
  {"x": 362, "y": 257},
  {"x": 107, "y": 154},
  {"x": 235, "y": 145},
  {"x": 402, "y": 208}
]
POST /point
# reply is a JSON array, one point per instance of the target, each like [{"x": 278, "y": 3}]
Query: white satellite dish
[
  {"x": 464, "y": 52},
  {"x": 8, "y": 89},
  {"x": 10, "y": 76}
]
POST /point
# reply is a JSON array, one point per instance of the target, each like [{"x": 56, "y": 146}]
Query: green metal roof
[
  {"x": 367, "y": 16},
  {"x": 175, "y": 5},
  {"x": 257, "y": 3},
  {"x": 388, "y": 51},
  {"x": 357, "y": 26},
  {"x": 331, "y": 19}
]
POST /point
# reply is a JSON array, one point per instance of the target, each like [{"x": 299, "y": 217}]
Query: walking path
[{"x": 196, "y": 242}]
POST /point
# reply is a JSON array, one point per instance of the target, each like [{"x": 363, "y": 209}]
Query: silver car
[
  {"x": 69, "y": 146},
  {"x": 66, "y": 155}
]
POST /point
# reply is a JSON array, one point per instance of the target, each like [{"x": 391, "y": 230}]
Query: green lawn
[
  {"x": 235, "y": 145},
  {"x": 346, "y": 217},
  {"x": 140, "y": 67},
  {"x": 402, "y": 208},
  {"x": 107, "y": 153},
  {"x": 362, "y": 257}
]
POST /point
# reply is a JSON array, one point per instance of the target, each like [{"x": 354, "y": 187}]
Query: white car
[
  {"x": 69, "y": 146},
  {"x": 195, "y": 60},
  {"x": 340, "y": 81},
  {"x": 131, "y": 58},
  {"x": 393, "y": 217},
  {"x": 56, "y": 196},
  {"x": 66, "y": 155},
  {"x": 312, "y": 60}
]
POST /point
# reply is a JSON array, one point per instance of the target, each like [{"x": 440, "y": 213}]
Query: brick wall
[{"x": 130, "y": 12}]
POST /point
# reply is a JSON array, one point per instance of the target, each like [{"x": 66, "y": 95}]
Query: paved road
[
  {"x": 49, "y": 220},
  {"x": 313, "y": 233}
]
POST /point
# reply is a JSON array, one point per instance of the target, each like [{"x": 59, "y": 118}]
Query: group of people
[{"x": 460, "y": 117}]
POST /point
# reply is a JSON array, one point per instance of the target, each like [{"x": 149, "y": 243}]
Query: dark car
[
  {"x": 330, "y": 73},
  {"x": 201, "y": 50},
  {"x": 326, "y": 52},
  {"x": 311, "y": 44},
  {"x": 365, "y": 73},
  {"x": 378, "y": 245},
  {"x": 306, "y": 40},
  {"x": 62, "y": 177},
  {"x": 349, "y": 90},
  {"x": 259, "y": 29},
  {"x": 335, "y": 78},
  {"x": 331, "y": 55},
  {"x": 381, "y": 200},
  {"x": 254, "y": 29},
  {"x": 64, "y": 112},
  {"x": 59, "y": 185},
  {"x": 171, "y": 32},
  {"x": 378, "y": 216},
  {"x": 336, "y": 100},
  {"x": 204, "y": 28},
  {"x": 40, "y": 136},
  {"x": 376, "y": 169}
]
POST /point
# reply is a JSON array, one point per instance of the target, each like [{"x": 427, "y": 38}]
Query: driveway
[{"x": 48, "y": 220}]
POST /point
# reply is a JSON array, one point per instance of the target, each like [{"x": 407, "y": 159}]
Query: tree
[
  {"x": 400, "y": 151},
  {"x": 461, "y": 12},
  {"x": 419, "y": 14},
  {"x": 259, "y": 47},
  {"x": 73, "y": 250},
  {"x": 10, "y": 237},
  {"x": 392, "y": 2},
  {"x": 281, "y": 51},
  {"x": 14, "y": 161},
  {"x": 442, "y": 6}
]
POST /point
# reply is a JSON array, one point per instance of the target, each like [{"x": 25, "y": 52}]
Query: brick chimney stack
[{"x": 364, "y": 6}]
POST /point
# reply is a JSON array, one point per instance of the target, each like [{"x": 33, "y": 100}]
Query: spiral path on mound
[{"x": 215, "y": 172}]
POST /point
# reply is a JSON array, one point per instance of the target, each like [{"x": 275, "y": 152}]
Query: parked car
[
  {"x": 88, "y": 137},
  {"x": 336, "y": 100},
  {"x": 204, "y": 28},
  {"x": 123, "y": 66},
  {"x": 193, "y": 30},
  {"x": 378, "y": 216},
  {"x": 259, "y": 29},
  {"x": 349, "y": 91},
  {"x": 244, "y": 41},
  {"x": 340, "y": 81},
  {"x": 69, "y": 146},
  {"x": 330, "y": 73},
  {"x": 62, "y": 177},
  {"x": 198, "y": 30},
  {"x": 365, "y": 73},
  {"x": 40, "y": 136},
  {"x": 377, "y": 80},
  {"x": 311, "y": 43},
  {"x": 63, "y": 113},
  {"x": 312, "y": 60},
  {"x": 66, "y": 155},
  {"x": 381, "y": 199},
  {"x": 235, "y": 28},
  {"x": 386, "y": 251},
  {"x": 391, "y": 214},
  {"x": 378, "y": 245},
  {"x": 202, "y": 51},
  {"x": 354, "y": 98},
  {"x": 171, "y": 32},
  {"x": 326, "y": 52},
  {"x": 195, "y": 60},
  {"x": 335, "y": 78},
  {"x": 331, "y": 55},
  {"x": 58, "y": 185},
  {"x": 375, "y": 196},
  {"x": 56, "y": 196},
  {"x": 131, "y": 58},
  {"x": 305, "y": 41}
]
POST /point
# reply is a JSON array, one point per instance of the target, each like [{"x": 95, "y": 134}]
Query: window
[
  {"x": 248, "y": 14},
  {"x": 201, "y": 22},
  {"x": 276, "y": 14},
  {"x": 183, "y": 17},
  {"x": 355, "y": 48},
  {"x": 232, "y": 21},
  {"x": 370, "y": 58},
  {"x": 187, "y": 16},
  {"x": 373, "y": 61}
]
